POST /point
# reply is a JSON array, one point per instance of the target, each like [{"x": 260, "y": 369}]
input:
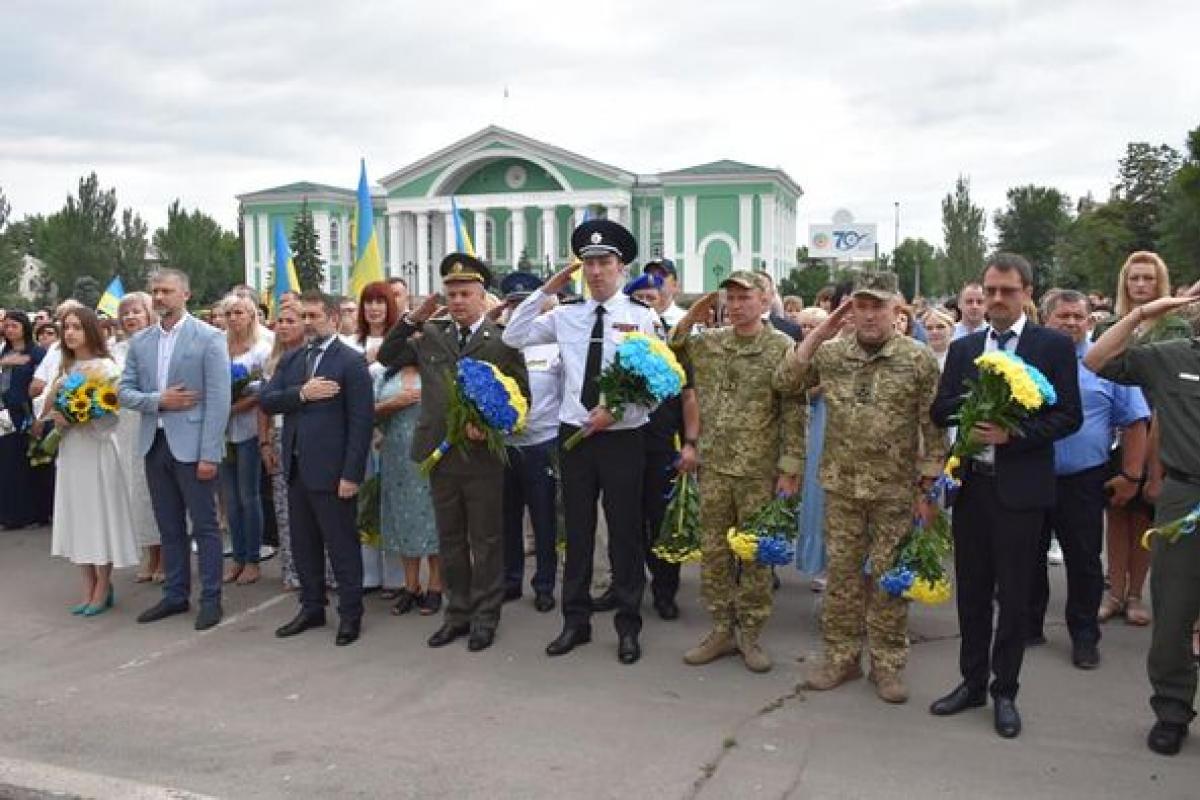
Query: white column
[
  {"x": 518, "y": 234},
  {"x": 251, "y": 262},
  {"x": 480, "y": 235},
  {"x": 451, "y": 244},
  {"x": 549, "y": 236},
  {"x": 767, "y": 231},
  {"x": 579, "y": 212},
  {"x": 693, "y": 268},
  {"x": 422, "y": 287},
  {"x": 394, "y": 242},
  {"x": 643, "y": 234},
  {"x": 264, "y": 239},
  {"x": 669, "y": 227},
  {"x": 615, "y": 214},
  {"x": 745, "y": 231}
]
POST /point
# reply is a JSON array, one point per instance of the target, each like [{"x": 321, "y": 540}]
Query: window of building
[{"x": 335, "y": 241}]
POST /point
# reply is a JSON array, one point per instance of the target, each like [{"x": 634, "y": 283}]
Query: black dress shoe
[
  {"x": 208, "y": 616},
  {"x": 481, "y": 639},
  {"x": 161, "y": 611},
  {"x": 569, "y": 639},
  {"x": 666, "y": 608},
  {"x": 447, "y": 634},
  {"x": 1008, "y": 719},
  {"x": 1036, "y": 640},
  {"x": 962, "y": 698},
  {"x": 347, "y": 632},
  {"x": 544, "y": 602},
  {"x": 628, "y": 649},
  {"x": 1085, "y": 655},
  {"x": 605, "y": 602},
  {"x": 1167, "y": 737},
  {"x": 300, "y": 623},
  {"x": 512, "y": 593}
]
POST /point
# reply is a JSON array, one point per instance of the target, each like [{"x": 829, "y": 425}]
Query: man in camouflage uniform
[
  {"x": 878, "y": 387},
  {"x": 750, "y": 448}
]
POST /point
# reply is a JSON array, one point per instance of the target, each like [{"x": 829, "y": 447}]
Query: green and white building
[{"x": 521, "y": 198}]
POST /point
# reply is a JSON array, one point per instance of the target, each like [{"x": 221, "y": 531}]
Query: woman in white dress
[
  {"x": 135, "y": 313},
  {"x": 93, "y": 527}
]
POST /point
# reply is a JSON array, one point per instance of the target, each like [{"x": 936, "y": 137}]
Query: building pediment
[{"x": 496, "y": 160}]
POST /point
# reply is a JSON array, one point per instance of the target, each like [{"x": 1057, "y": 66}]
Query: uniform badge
[{"x": 597, "y": 237}]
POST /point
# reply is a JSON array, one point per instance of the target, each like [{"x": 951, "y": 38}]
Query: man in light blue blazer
[{"x": 177, "y": 377}]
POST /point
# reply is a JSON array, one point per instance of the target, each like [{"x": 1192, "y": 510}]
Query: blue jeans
[
  {"x": 529, "y": 481},
  {"x": 243, "y": 504}
]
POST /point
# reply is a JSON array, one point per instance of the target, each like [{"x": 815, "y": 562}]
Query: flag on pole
[
  {"x": 368, "y": 263},
  {"x": 462, "y": 240},
  {"x": 285, "y": 269},
  {"x": 110, "y": 301},
  {"x": 582, "y": 283}
]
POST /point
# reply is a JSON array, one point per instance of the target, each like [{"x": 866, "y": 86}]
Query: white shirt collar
[
  {"x": 174, "y": 328},
  {"x": 610, "y": 305},
  {"x": 1017, "y": 327}
]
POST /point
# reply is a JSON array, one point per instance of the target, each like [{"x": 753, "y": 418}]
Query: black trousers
[
  {"x": 323, "y": 522},
  {"x": 605, "y": 467},
  {"x": 1077, "y": 520},
  {"x": 995, "y": 549},
  {"x": 660, "y": 469}
]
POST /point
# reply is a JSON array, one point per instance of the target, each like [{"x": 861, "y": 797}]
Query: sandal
[
  {"x": 234, "y": 571},
  {"x": 431, "y": 603},
  {"x": 160, "y": 577},
  {"x": 250, "y": 574},
  {"x": 406, "y": 602},
  {"x": 1109, "y": 607},
  {"x": 143, "y": 577},
  {"x": 390, "y": 594},
  {"x": 1136, "y": 613}
]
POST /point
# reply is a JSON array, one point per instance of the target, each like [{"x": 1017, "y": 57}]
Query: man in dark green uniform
[{"x": 1170, "y": 371}]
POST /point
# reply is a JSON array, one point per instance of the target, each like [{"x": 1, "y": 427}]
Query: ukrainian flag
[
  {"x": 462, "y": 240},
  {"x": 285, "y": 270},
  {"x": 368, "y": 264},
  {"x": 110, "y": 301}
]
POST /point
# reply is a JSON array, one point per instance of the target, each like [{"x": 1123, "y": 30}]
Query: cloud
[{"x": 864, "y": 104}]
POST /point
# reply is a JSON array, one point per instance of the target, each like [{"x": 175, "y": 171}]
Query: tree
[
  {"x": 917, "y": 254},
  {"x": 131, "y": 249},
  {"x": 1093, "y": 247},
  {"x": 196, "y": 244},
  {"x": 1142, "y": 179},
  {"x": 306, "y": 252},
  {"x": 10, "y": 256},
  {"x": 1179, "y": 226},
  {"x": 81, "y": 239},
  {"x": 962, "y": 228},
  {"x": 1032, "y": 224}
]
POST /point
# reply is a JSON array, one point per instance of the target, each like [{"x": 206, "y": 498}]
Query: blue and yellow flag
[
  {"x": 462, "y": 240},
  {"x": 110, "y": 301},
  {"x": 368, "y": 263},
  {"x": 285, "y": 270}
]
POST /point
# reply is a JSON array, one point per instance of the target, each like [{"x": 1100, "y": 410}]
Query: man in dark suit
[
  {"x": 324, "y": 392},
  {"x": 1006, "y": 493},
  {"x": 467, "y": 485}
]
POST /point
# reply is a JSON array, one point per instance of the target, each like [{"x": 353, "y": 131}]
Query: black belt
[{"x": 1183, "y": 477}]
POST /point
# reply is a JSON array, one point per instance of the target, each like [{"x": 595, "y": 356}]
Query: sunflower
[
  {"x": 78, "y": 406},
  {"x": 107, "y": 399},
  {"x": 90, "y": 387}
]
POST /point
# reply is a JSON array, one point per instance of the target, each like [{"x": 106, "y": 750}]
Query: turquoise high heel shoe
[
  {"x": 89, "y": 610},
  {"x": 94, "y": 611},
  {"x": 79, "y": 609}
]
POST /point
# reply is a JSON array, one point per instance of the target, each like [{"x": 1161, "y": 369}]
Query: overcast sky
[{"x": 863, "y": 103}]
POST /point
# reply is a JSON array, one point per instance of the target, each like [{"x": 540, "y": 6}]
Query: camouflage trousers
[
  {"x": 854, "y": 604},
  {"x": 736, "y": 593}
]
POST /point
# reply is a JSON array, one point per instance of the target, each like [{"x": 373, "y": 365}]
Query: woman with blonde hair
[
  {"x": 939, "y": 326},
  {"x": 1144, "y": 277},
  {"x": 239, "y": 471},
  {"x": 135, "y": 313}
]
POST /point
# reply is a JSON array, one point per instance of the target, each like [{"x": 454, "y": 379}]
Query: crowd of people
[{"x": 298, "y": 432}]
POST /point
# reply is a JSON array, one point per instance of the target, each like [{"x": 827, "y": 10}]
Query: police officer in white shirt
[{"x": 609, "y": 462}]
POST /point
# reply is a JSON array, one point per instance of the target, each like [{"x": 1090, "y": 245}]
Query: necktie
[
  {"x": 1002, "y": 339},
  {"x": 589, "y": 394},
  {"x": 310, "y": 359},
  {"x": 464, "y": 334}
]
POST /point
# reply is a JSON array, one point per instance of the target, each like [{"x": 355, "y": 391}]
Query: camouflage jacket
[
  {"x": 879, "y": 436},
  {"x": 748, "y": 428}
]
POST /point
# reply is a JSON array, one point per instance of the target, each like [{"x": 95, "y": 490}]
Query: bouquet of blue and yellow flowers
[
  {"x": 1009, "y": 389},
  {"x": 483, "y": 396},
  {"x": 679, "y": 537},
  {"x": 919, "y": 573},
  {"x": 84, "y": 396},
  {"x": 1172, "y": 532},
  {"x": 644, "y": 372},
  {"x": 769, "y": 536},
  {"x": 241, "y": 380}
]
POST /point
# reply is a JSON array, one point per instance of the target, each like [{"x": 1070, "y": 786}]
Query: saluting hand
[
  {"x": 426, "y": 310},
  {"x": 1165, "y": 305},
  {"x": 561, "y": 279}
]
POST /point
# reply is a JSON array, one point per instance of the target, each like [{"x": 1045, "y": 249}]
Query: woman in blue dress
[
  {"x": 810, "y": 550},
  {"x": 406, "y": 515}
]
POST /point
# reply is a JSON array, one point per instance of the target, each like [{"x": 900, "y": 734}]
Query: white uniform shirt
[
  {"x": 544, "y": 364},
  {"x": 46, "y": 372},
  {"x": 571, "y": 326}
]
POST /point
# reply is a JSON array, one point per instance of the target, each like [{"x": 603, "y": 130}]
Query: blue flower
[
  {"x": 238, "y": 372},
  {"x": 1045, "y": 388},
  {"x": 73, "y": 381},
  {"x": 774, "y": 550},
  {"x": 897, "y": 580}
]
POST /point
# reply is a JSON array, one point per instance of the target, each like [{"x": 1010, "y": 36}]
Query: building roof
[
  {"x": 723, "y": 167},
  {"x": 301, "y": 189}
]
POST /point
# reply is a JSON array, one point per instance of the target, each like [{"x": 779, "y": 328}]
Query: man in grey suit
[{"x": 177, "y": 377}]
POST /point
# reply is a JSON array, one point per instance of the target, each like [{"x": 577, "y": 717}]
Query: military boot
[
  {"x": 753, "y": 655},
  {"x": 830, "y": 675},
  {"x": 716, "y": 644},
  {"x": 889, "y": 686}
]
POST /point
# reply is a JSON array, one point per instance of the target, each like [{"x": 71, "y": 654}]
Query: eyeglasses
[{"x": 1003, "y": 291}]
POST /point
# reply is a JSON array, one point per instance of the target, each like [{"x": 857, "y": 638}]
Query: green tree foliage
[
  {"x": 1179, "y": 225},
  {"x": 1142, "y": 179},
  {"x": 306, "y": 252},
  {"x": 131, "y": 249},
  {"x": 1032, "y": 224},
  {"x": 1093, "y": 247},
  {"x": 917, "y": 254},
  {"x": 196, "y": 244},
  {"x": 962, "y": 228},
  {"x": 10, "y": 256},
  {"x": 81, "y": 239}
]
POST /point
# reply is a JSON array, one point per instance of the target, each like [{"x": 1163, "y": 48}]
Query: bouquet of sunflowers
[
  {"x": 679, "y": 538},
  {"x": 918, "y": 573},
  {"x": 84, "y": 396},
  {"x": 769, "y": 536},
  {"x": 483, "y": 396}
]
